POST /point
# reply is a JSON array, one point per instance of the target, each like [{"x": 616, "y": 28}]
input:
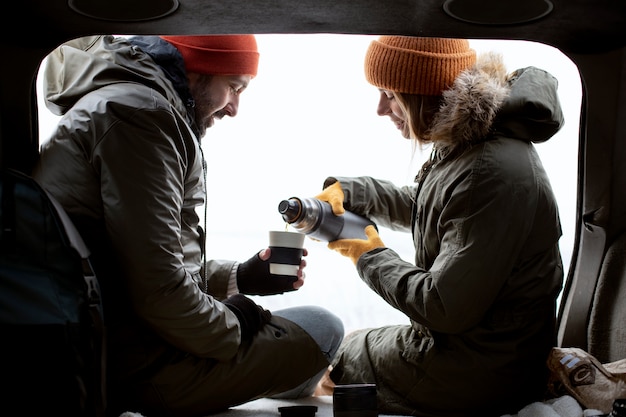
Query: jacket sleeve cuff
[{"x": 232, "y": 281}]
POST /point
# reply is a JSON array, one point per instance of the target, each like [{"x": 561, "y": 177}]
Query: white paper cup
[{"x": 286, "y": 252}]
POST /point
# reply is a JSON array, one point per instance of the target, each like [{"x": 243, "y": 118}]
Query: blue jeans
[{"x": 325, "y": 328}]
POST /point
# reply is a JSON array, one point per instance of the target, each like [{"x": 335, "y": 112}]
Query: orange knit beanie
[
  {"x": 218, "y": 54},
  {"x": 413, "y": 65}
]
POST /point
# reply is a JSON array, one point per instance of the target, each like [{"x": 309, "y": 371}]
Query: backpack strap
[{"x": 94, "y": 299}]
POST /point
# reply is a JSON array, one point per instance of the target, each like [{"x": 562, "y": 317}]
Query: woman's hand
[{"x": 354, "y": 248}]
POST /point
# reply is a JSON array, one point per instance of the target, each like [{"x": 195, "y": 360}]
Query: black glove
[
  {"x": 252, "y": 317},
  {"x": 254, "y": 278}
]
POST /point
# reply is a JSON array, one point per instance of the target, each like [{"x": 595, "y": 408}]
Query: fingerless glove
[
  {"x": 252, "y": 317},
  {"x": 254, "y": 278}
]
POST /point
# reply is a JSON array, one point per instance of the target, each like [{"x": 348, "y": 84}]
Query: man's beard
[
  {"x": 203, "y": 122},
  {"x": 201, "y": 125},
  {"x": 202, "y": 106},
  {"x": 201, "y": 110}
]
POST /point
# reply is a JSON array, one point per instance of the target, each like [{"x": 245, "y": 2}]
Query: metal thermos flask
[{"x": 316, "y": 219}]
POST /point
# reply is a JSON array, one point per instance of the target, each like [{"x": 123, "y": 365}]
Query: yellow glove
[
  {"x": 333, "y": 194},
  {"x": 354, "y": 248}
]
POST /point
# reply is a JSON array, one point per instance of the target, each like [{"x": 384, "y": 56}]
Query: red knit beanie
[
  {"x": 218, "y": 54},
  {"x": 413, "y": 65}
]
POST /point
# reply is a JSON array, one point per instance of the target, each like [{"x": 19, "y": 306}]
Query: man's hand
[
  {"x": 252, "y": 317},
  {"x": 254, "y": 278},
  {"x": 333, "y": 194},
  {"x": 354, "y": 248}
]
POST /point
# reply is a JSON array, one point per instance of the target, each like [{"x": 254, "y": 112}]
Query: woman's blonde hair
[{"x": 420, "y": 111}]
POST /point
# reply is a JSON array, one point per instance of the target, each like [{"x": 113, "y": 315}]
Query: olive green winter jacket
[
  {"x": 482, "y": 291},
  {"x": 126, "y": 165}
]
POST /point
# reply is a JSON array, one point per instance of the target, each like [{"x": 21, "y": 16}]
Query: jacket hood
[
  {"x": 484, "y": 100},
  {"x": 86, "y": 64}
]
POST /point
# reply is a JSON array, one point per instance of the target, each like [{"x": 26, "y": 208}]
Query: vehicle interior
[{"x": 592, "y": 33}]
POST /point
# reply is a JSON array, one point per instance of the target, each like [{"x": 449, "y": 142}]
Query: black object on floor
[{"x": 298, "y": 411}]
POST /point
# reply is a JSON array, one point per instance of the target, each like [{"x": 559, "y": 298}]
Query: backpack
[{"x": 52, "y": 355}]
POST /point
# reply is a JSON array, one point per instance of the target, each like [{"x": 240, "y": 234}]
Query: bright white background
[{"x": 309, "y": 114}]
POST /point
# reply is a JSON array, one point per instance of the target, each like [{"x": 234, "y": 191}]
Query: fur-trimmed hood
[{"x": 487, "y": 101}]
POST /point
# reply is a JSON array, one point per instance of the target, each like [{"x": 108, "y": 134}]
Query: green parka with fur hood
[
  {"x": 481, "y": 295},
  {"x": 126, "y": 165}
]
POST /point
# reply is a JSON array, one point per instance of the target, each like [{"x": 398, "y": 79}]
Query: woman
[{"x": 481, "y": 295}]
